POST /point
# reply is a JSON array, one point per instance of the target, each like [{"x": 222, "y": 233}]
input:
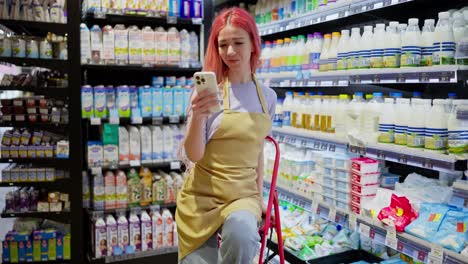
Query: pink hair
[{"x": 240, "y": 18}]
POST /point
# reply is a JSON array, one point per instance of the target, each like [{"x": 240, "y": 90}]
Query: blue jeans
[{"x": 239, "y": 243}]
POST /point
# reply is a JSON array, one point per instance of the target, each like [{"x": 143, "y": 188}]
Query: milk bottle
[
  {"x": 444, "y": 41},
  {"x": 402, "y": 120},
  {"x": 411, "y": 45},
  {"x": 278, "y": 118},
  {"x": 387, "y": 122},
  {"x": 436, "y": 127},
  {"x": 402, "y": 28},
  {"x": 460, "y": 28},
  {"x": 370, "y": 117},
  {"x": 316, "y": 106},
  {"x": 392, "y": 50},
  {"x": 354, "y": 48},
  {"x": 307, "y": 50},
  {"x": 85, "y": 44},
  {"x": 314, "y": 55},
  {"x": 275, "y": 56},
  {"x": 287, "y": 105},
  {"x": 354, "y": 112},
  {"x": 415, "y": 135},
  {"x": 427, "y": 42},
  {"x": 366, "y": 45},
  {"x": 333, "y": 52},
  {"x": 378, "y": 46},
  {"x": 298, "y": 52},
  {"x": 285, "y": 55},
  {"x": 340, "y": 116},
  {"x": 343, "y": 45},
  {"x": 161, "y": 45},
  {"x": 266, "y": 57},
  {"x": 323, "y": 62},
  {"x": 458, "y": 130},
  {"x": 291, "y": 52},
  {"x": 296, "y": 120}
]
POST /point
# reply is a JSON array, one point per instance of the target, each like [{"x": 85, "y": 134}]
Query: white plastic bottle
[
  {"x": 460, "y": 27},
  {"x": 378, "y": 46},
  {"x": 333, "y": 52},
  {"x": 402, "y": 28},
  {"x": 411, "y": 45},
  {"x": 354, "y": 48},
  {"x": 458, "y": 129},
  {"x": 298, "y": 52},
  {"x": 290, "y": 53},
  {"x": 403, "y": 110},
  {"x": 323, "y": 62},
  {"x": 387, "y": 122},
  {"x": 314, "y": 55},
  {"x": 307, "y": 50},
  {"x": 266, "y": 57},
  {"x": 343, "y": 48},
  {"x": 415, "y": 137},
  {"x": 85, "y": 44},
  {"x": 354, "y": 112},
  {"x": 366, "y": 45},
  {"x": 341, "y": 116},
  {"x": 287, "y": 105},
  {"x": 444, "y": 41},
  {"x": 278, "y": 118},
  {"x": 370, "y": 117},
  {"x": 436, "y": 132},
  {"x": 284, "y": 54},
  {"x": 392, "y": 50},
  {"x": 275, "y": 56},
  {"x": 427, "y": 42}
]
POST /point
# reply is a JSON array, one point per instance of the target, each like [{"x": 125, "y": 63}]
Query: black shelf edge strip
[
  {"x": 55, "y": 64},
  {"x": 53, "y": 162},
  {"x": 46, "y": 91},
  {"x": 153, "y": 255},
  {"x": 131, "y": 67},
  {"x": 58, "y": 216},
  {"x": 128, "y": 209},
  {"x": 43, "y": 27},
  {"x": 41, "y": 262},
  {"x": 132, "y": 19},
  {"x": 43, "y": 184}
]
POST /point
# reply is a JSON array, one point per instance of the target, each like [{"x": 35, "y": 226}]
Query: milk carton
[
  {"x": 135, "y": 143},
  {"x": 444, "y": 41},
  {"x": 124, "y": 146},
  {"x": 87, "y": 102},
  {"x": 123, "y": 101},
  {"x": 108, "y": 38},
  {"x": 168, "y": 143},
  {"x": 158, "y": 229},
  {"x": 121, "y": 189},
  {"x": 174, "y": 47},
  {"x": 123, "y": 232},
  {"x": 85, "y": 44},
  {"x": 112, "y": 235},
  {"x": 194, "y": 49},
  {"x": 146, "y": 232},
  {"x": 100, "y": 238},
  {"x": 135, "y": 231},
  {"x": 146, "y": 100},
  {"x": 146, "y": 144},
  {"x": 168, "y": 233},
  {"x": 411, "y": 45},
  {"x": 158, "y": 143},
  {"x": 157, "y": 101},
  {"x": 392, "y": 51},
  {"x": 100, "y": 107},
  {"x": 168, "y": 101},
  {"x": 110, "y": 190},
  {"x": 427, "y": 42},
  {"x": 98, "y": 192},
  {"x": 161, "y": 45},
  {"x": 149, "y": 49},
  {"x": 178, "y": 101},
  {"x": 96, "y": 44},
  {"x": 121, "y": 44},
  {"x": 185, "y": 48},
  {"x": 135, "y": 45}
]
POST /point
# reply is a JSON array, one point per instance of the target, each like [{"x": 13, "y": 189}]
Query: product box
[
  {"x": 111, "y": 154},
  {"x": 59, "y": 247},
  {"x": 67, "y": 247},
  {"x": 95, "y": 154},
  {"x": 52, "y": 249},
  {"x": 29, "y": 251},
  {"x": 21, "y": 251},
  {"x": 6, "y": 251},
  {"x": 32, "y": 176},
  {"x": 14, "y": 254}
]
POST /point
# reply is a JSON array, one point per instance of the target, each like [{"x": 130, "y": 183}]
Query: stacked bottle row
[
  {"x": 392, "y": 46},
  {"x": 121, "y": 45},
  {"x": 22, "y": 46},
  {"x": 119, "y": 189},
  {"x": 34, "y": 10},
  {"x": 159, "y": 8},
  {"x": 434, "y": 125},
  {"x": 267, "y": 11}
]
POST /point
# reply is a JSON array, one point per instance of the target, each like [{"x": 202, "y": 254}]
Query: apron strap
[
  {"x": 260, "y": 95},
  {"x": 226, "y": 103}
]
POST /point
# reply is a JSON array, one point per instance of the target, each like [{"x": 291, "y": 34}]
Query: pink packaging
[
  {"x": 355, "y": 208},
  {"x": 364, "y": 189},
  {"x": 365, "y": 178},
  {"x": 359, "y": 199},
  {"x": 364, "y": 165}
]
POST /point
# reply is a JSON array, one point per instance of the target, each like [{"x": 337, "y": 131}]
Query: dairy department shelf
[
  {"x": 157, "y": 121},
  {"x": 41, "y": 262},
  {"x": 173, "y": 165},
  {"x": 57, "y": 216},
  {"x": 35, "y": 125},
  {"x": 47, "y": 91},
  {"x": 57, "y": 184},
  {"x": 335, "y": 11},
  {"x": 34, "y": 27},
  {"x": 374, "y": 229},
  {"x": 61, "y": 65},
  {"x": 117, "y": 210},
  {"x": 153, "y": 256},
  {"x": 433, "y": 74},
  {"x": 46, "y": 162},
  {"x": 394, "y": 153},
  {"x": 129, "y": 67}
]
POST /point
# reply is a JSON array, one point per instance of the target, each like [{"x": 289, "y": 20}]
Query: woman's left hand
[{"x": 264, "y": 211}]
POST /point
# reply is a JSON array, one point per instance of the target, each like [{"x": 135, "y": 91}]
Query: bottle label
[
  {"x": 426, "y": 58},
  {"x": 410, "y": 56},
  {"x": 332, "y": 64},
  {"x": 376, "y": 60},
  {"x": 341, "y": 63},
  {"x": 436, "y": 139},
  {"x": 415, "y": 137},
  {"x": 400, "y": 135},
  {"x": 278, "y": 120},
  {"x": 458, "y": 141},
  {"x": 444, "y": 53},
  {"x": 364, "y": 59},
  {"x": 314, "y": 58},
  {"x": 391, "y": 58},
  {"x": 386, "y": 133},
  {"x": 286, "y": 118}
]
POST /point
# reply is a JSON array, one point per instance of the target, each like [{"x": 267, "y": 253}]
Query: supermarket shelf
[
  {"x": 47, "y": 91},
  {"x": 332, "y": 12},
  {"x": 103, "y": 18},
  {"x": 61, "y": 65},
  {"x": 117, "y": 210},
  {"x": 154, "y": 256},
  {"x": 41, "y": 262},
  {"x": 432, "y": 74},
  {"x": 36, "y": 125},
  {"x": 158, "y": 69},
  {"x": 460, "y": 194},
  {"x": 34, "y": 27},
  {"x": 156, "y": 121},
  {"x": 57, "y": 184},
  {"x": 374, "y": 229},
  {"x": 57, "y": 216},
  {"x": 173, "y": 165},
  {"x": 46, "y": 162},
  {"x": 394, "y": 153}
]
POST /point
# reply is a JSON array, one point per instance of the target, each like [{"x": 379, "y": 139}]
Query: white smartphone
[{"x": 207, "y": 80}]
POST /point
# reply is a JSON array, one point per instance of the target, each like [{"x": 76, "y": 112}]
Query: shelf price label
[
  {"x": 427, "y": 163},
  {"x": 137, "y": 120},
  {"x": 315, "y": 207},
  {"x": 175, "y": 119},
  {"x": 114, "y": 120},
  {"x": 332, "y": 214},
  {"x": 364, "y": 229},
  {"x": 352, "y": 221},
  {"x": 95, "y": 121},
  {"x": 96, "y": 170},
  {"x": 436, "y": 256},
  {"x": 403, "y": 159},
  {"x": 391, "y": 238},
  {"x": 175, "y": 165},
  {"x": 196, "y": 21},
  {"x": 157, "y": 121},
  {"x": 171, "y": 19},
  {"x": 135, "y": 163}
]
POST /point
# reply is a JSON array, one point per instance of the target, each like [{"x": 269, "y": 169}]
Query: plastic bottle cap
[
  {"x": 444, "y": 15},
  {"x": 358, "y": 94},
  {"x": 320, "y": 93},
  {"x": 310, "y": 36},
  {"x": 369, "y": 96},
  {"x": 344, "y": 32},
  {"x": 300, "y": 94},
  {"x": 287, "y": 40},
  {"x": 377, "y": 94},
  {"x": 355, "y": 30},
  {"x": 413, "y": 21},
  {"x": 429, "y": 22},
  {"x": 293, "y": 38},
  {"x": 343, "y": 96},
  {"x": 289, "y": 93},
  {"x": 417, "y": 94},
  {"x": 336, "y": 34},
  {"x": 403, "y": 100},
  {"x": 393, "y": 24},
  {"x": 368, "y": 28},
  {"x": 452, "y": 95},
  {"x": 398, "y": 95},
  {"x": 279, "y": 41}
]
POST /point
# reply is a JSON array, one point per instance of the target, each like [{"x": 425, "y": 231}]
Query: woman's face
[{"x": 235, "y": 47}]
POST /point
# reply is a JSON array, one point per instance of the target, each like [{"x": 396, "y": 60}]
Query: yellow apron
[{"x": 224, "y": 180}]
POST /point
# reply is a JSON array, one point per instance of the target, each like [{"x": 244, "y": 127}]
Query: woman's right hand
[{"x": 201, "y": 104}]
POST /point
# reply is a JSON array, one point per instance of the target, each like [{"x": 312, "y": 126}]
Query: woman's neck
[{"x": 236, "y": 77}]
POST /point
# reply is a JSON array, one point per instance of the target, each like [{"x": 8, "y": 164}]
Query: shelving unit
[
  {"x": 54, "y": 64},
  {"x": 34, "y": 27},
  {"x": 57, "y": 184},
  {"x": 43, "y": 262},
  {"x": 165, "y": 255},
  {"x": 57, "y": 216},
  {"x": 47, "y": 91}
]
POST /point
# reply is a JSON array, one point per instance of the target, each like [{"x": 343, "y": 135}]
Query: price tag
[
  {"x": 171, "y": 20},
  {"x": 137, "y": 120},
  {"x": 332, "y": 214},
  {"x": 427, "y": 163},
  {"x": 197, "y": 21},
  {"x": 175, "y": 165},
  {"x": 364, "y": 229},
  {"x": 403, "y": 159},
  {"x": 114, "y": 120},
  {"x": 352, "y": 221},
  {"x": 391, "y": 238},
  {"x": 95, "y": 121},
  {"x": 387, "y": 2},
  {"x": 380, "y": 155},
  {"x": 310, "y": 83},
  {"x": 436, "y": 256},
  {"x": 96, "y": 170},
  {"x": 99, "y": 14},
  {"x": 135, "y": 163},
  {"x": 157, "y": 121},
  {"x": 174, "y": 119},
  {"x": 332, "y": 148}
]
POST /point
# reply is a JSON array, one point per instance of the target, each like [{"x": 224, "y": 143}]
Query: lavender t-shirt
[{"x": 242, "y": 98}]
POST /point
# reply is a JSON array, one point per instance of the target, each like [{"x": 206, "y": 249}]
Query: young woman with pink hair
[{"x": 223, "y": 191}]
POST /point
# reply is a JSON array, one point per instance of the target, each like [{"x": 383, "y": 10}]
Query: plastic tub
[
  {"x": 364, "y": 165},
  {"x": 343, "y": 196},
  {"x": 342, "y": 163},
  {"x": 359, "y": 199},
  {"x": 328, "y": 181},
  {"x": 388, "y": 180},
  {"x": 364, "y": 189},
  {"x": 341, "y": 174},
  {"x": 327, "y": 172},
  {"x": 365, "y": 178},
  {"x": 329, "y": 191},
  {"x": 329, "y": 200},
  {"x": 342, "y": 185},
  {"x": 327, "y": 161},
  {"x": 342, "y": 205}
]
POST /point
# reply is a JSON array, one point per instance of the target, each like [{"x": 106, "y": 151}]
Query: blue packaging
[
  {"x": 29, "y": 251},
  {"x": 430, "y": 218},
  {"x": 123, "y": 101},
  {"x": 181, "y": 81},
  {"x": 146, "y": 101},
  {"x": 179, "y": 96},
  {"x": 157, "y": 101},
  {"x": 133, "y": 97},
  {"x": 185, "y": 8},
  {"x": 187, "y": 96},
  {"x": 197, "y": 7},
  {"x": 189, "y": 82},
  {"x": 100, "y": 102},
  {"x": 174, "y": 8},
  {"x": 453, "y": 233},
  {"x": 5, "y": 251},
  {"x": 158, "y": 81},
  {"x": 59, "y": 246},
  {"x": 170, "y": 81},
  {"x": 22, "y": 251},
  {"x": 44, "y": 250},
  {"x": 168, "y": 101},
  {"x": 111, "y": 101}
]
